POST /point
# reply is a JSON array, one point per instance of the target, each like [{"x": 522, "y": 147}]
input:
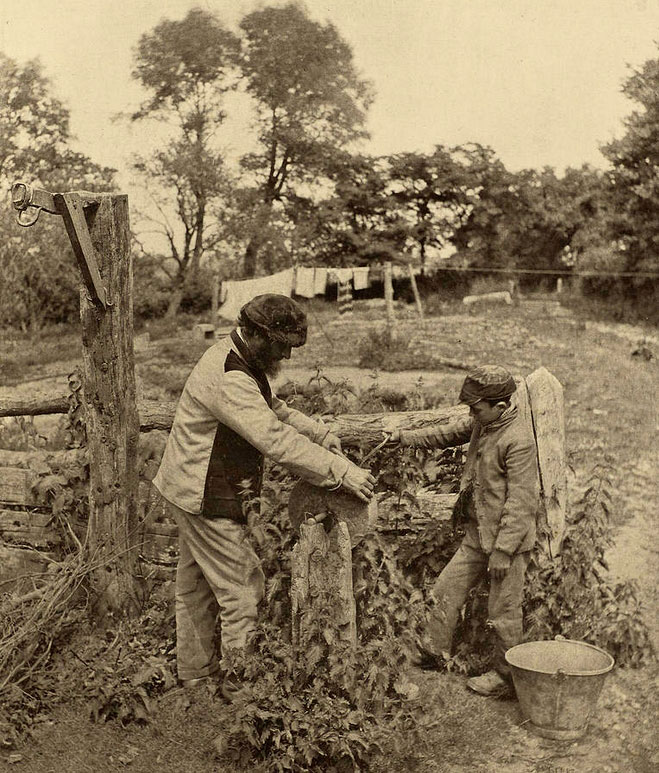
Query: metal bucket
[{"x": 557, "y": 684}]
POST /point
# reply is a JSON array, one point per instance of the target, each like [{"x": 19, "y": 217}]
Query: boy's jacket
[{"x": 501, "y": 473}]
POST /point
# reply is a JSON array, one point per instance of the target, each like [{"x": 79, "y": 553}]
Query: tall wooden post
[
  {"x": 215, "y": 299},
  {"x": 111, "y": 411},
  {"x": 389, "y": 301},
  {"x": 415, "y": 290}
]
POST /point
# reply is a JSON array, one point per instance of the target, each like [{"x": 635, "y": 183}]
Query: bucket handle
[{"x": 560, "y": 675}]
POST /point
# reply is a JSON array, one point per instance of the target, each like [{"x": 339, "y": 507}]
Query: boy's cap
[
  {"x": 489, "y": 382},
  {"x": 278, "y": 316}
]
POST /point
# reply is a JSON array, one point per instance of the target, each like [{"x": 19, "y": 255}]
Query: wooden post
[
  {"x": 548, "y": 414},
  {"x": 415, "y": 290},
  {"x": 389, "y": 300},
  {"x": 321, "y": 585},
  {"x": 215, "y": 300},
  {"x": 111, "y": 411}
]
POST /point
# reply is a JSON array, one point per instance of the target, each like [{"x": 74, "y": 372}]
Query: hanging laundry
[
  {"x": 304, "y": 282},
  {"x": 342, "y": 274},
  {"x": 319, "y": 281},
  {"x": 237, "y": 293},
  {"x": 344, "y": 297},
  {"x": 360, "y": 278}
]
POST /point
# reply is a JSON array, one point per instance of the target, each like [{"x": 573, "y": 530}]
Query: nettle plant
[{"x": 324, "y": 705}]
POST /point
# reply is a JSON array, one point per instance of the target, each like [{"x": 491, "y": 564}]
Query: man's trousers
[
  {"x": 218, "y": 571},
  {"x": 450, "y": 592}
]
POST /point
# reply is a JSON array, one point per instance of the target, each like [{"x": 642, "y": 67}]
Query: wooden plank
[
  {"x": 24, "y": 519},
  {"x": 33, "y": 528},
  {"x": 15, "y": 486},
  {"x": 18, "y": 564},
  {"x": 548, "y": 413}
]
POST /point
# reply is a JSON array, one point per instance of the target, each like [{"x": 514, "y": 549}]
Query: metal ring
[{"x": 20, "y": 217}]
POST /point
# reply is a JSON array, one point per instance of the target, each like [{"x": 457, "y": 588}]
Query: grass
[{"x": 23, "y": 355}]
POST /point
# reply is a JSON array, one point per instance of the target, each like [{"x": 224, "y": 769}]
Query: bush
[{"x": 378, "y": 349}]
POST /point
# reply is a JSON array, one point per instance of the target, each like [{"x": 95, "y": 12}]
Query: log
[
  {"x": 110, "y": 409},
  {"x": 502, "y": 296},
  {"x": 27, "y": 459},
  {"x": 321, "y": 577},
  {"x": 366, "y": 429},
  {"x": 354, "y": 429},
  {"x": 16, "y": 486},
  {"x": 41, "y": 405}
]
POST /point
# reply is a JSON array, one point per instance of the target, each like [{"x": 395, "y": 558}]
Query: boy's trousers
[
  {"x": 450, "y": 592},
  {"x": 218, "y": 571}
]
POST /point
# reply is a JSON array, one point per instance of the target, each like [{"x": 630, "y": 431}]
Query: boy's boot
[{"x": 491, "y": 684}]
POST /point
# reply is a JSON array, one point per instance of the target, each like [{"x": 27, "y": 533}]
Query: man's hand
[
  {"x": 498, "y": 565},
  {"x": 360, "y": 482},
  {"x": 332, "y": 443}
]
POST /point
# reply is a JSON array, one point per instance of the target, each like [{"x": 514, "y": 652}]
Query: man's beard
[
  {"x": 263, "y": 359},
  {"x": 273, "y": 368}
]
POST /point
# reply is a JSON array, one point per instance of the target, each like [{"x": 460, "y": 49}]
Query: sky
[{"x": 537, "y": 80}]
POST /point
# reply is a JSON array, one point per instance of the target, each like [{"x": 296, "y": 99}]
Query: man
[
  {"x": 499, "y": 495},
  {"x": 226, "y": 421}
]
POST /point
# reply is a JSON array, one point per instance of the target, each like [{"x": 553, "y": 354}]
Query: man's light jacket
[
  {"x": 500, "y": 474},
  {"x": 226, "y": 420}
]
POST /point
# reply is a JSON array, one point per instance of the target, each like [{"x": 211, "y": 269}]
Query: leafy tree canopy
[
  {"x": 635, "y": 176},
  {"x": 39, "y": 278}
]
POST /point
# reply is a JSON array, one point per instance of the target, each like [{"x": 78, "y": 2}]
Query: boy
[{"x": 499, "y": 495}]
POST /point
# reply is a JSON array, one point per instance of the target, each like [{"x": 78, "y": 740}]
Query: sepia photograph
[{"x": 329, "y": 425}]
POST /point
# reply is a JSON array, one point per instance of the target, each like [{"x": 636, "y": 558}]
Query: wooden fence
[{"x": 30, "y": 536}]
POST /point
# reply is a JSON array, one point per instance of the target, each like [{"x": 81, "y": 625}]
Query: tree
[
  {"x": 635, "y": 174},
  {"x": 430, "y": 191},
  {"x": 310, "y": 104},
  {"x": 39, "y": 278},
  {"x": 187, "y": 67},
  {"x": 529, "y": 219}
]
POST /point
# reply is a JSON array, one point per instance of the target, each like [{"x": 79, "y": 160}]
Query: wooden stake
[
  {"x": 389, "y": 300},
  {"x": 215, "y": 301},
  {"x": 415, "y": 290},
  {"x": 548, "y": 413},
  {"x": 111, "y": 411},
  {"x": 321, "y": 583}
]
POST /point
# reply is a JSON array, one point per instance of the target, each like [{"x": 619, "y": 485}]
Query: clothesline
[{"x": 304, "y": 281}]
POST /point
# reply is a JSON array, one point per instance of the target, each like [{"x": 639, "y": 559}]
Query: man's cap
[
  {"x": 279, "y": 317},
  {"x": 488, "y": 382}
]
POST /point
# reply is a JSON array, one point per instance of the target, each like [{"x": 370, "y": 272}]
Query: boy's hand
[
  {"x": 394, "y": 437},
  {"x": 498, "y": 565}
]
